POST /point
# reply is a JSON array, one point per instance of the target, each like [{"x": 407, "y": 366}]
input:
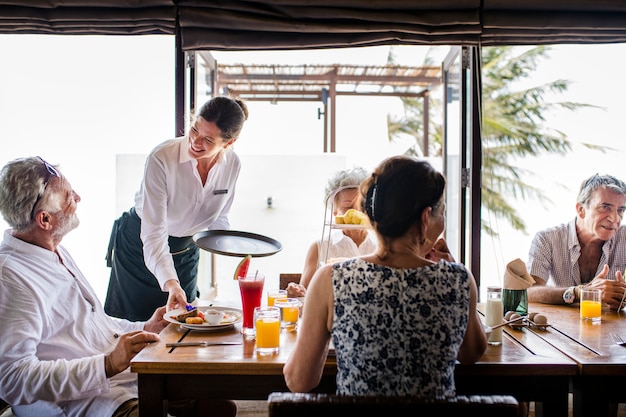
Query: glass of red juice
[{"x": 251, "y": 288}]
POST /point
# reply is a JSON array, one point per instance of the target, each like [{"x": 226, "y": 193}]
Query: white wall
[{"x": 77, "y": 101}]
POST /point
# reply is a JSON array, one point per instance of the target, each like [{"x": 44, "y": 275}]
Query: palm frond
[{"x": 513, "y": 128}]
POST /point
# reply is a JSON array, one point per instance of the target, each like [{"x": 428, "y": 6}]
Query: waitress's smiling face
[{"x": 205, "y": 139}]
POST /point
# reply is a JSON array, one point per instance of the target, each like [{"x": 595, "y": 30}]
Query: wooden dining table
[
  {"x": 525, "y": 365},
  {"x": 601, "y": 363}
]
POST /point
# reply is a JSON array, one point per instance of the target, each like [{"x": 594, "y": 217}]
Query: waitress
[{"x": 188, "y": 186}]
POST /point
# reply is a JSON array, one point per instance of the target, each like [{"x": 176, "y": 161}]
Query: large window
[
  {"x": 452, "y": 149},
  {"x": 97, "y": 105},
  {"x": 80, "y": 102}
]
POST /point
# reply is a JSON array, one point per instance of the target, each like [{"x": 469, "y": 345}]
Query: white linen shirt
[
  {"x": 554, "y": 254},
  {"x": 173, "y": 202},
  {"x": 55, "y": 334},
  {"x": 342, "y": 246}
]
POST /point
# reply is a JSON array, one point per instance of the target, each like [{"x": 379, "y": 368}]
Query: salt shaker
[{"x": 494, "y": 314}]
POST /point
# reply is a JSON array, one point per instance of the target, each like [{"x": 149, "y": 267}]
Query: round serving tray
[{"x": 236, "y": 243}]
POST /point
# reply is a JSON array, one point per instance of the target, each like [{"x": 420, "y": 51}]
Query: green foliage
[
  {"x": 514, "y": 127},
  {"x": 411, "y": 123}
]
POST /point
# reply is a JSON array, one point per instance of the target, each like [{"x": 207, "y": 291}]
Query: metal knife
[{"x": 181, "y": 344}]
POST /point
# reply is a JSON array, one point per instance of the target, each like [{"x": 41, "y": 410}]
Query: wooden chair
[
  {"x": 285, "y": 279},
  {"x": 287, "y": 404}
]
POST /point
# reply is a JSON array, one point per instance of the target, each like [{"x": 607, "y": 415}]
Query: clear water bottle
[{"x": 494, "y": 314}]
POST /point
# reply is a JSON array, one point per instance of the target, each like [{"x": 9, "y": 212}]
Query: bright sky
[
  {"x": 80, "y": 101},
  {"x": 596, "y": 76}
]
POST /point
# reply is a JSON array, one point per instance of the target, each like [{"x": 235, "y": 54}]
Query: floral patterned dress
[{"x": 398, "y": 331}]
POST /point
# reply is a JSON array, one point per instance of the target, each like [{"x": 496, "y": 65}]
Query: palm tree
[
  {"x": 513, "y": 128},
  {"x": 411, "y": 123}
]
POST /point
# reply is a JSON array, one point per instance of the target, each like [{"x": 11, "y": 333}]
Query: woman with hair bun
[
  {"x": 188, "y": 186},
  {"x": 402, "y": 316}
]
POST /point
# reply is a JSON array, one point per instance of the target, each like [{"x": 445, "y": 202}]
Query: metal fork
[{"x": 617, "y": 339}]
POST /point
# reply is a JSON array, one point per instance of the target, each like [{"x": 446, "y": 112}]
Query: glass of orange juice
[
  {"x": 289, "y": 313},
  {"x": 272, "y": 295},
  {"x": 591, "y": 305},
  {"x": 267, "y": 329}
]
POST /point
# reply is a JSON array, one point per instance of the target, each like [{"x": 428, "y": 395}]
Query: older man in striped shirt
[{"x": 589, "y": 251}]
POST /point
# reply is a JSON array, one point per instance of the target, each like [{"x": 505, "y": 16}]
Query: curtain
[
  {"x": 508, "y": 22},
  {"x": 305, "y": 24},
  {"x": 88, "y": 17},
  {"x": 323, "y": 24}
]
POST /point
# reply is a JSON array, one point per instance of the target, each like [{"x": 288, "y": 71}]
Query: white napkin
[{"x": 516, "y": 276}]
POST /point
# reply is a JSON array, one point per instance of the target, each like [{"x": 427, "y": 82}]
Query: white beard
[{"x": 66, "y": 225}]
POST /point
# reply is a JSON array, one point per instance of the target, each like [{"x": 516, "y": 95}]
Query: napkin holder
[{"x": 514, "y": 288}]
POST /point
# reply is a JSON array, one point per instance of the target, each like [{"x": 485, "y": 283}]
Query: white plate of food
[{"x": 231, "y": 317}]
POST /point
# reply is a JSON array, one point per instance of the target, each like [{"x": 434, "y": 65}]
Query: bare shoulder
[{"x": 321, "y": 283}]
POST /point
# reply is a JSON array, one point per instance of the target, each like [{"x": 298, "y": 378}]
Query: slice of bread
[{"x": 191, "y": 313}]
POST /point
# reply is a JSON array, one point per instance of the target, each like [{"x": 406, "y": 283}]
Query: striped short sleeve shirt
[{"x": 554, "y": 254}]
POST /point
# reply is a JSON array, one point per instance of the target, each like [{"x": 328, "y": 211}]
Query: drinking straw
[{"x": 255, "y": 274}]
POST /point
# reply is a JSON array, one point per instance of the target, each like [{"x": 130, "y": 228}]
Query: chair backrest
[
  {"x": 4, "y": 406},
  {"x": 287, "y": 404},
  {"x": 285, "y": 279}
]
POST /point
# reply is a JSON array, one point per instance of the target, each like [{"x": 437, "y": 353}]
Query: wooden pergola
[{"x": 324, "y": 83}]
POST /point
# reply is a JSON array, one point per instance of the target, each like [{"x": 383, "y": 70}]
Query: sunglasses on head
[{"x": 51, "y": 172}]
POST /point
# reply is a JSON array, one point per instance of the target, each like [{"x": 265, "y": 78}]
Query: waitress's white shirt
[{"x": 172, "y": 201}]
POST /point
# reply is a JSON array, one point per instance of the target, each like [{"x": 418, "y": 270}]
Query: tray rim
[{"x": 237, "y": 233}]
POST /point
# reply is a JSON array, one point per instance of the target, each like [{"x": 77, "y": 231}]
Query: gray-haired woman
[{"x": 342, "y": 191}]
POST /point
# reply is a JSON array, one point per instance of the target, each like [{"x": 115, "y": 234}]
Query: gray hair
[
  {"x": 22, "y": 181},
  {"x": 351, "y": 178},
  {"x": 595, "y": 182}
]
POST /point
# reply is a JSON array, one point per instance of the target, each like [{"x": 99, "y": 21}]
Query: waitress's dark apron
[{"x": 134, "y": 293}]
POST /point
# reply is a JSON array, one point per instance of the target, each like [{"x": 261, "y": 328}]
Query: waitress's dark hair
[
  {"x": 397, "y": 192},
  {"x": 227, "y": 113}
]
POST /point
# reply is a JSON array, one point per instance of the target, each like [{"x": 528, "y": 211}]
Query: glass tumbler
[
  {"x": 494, "y": 314},
  {"x": 289, "y": 313},
  {"x": 267, "y": 327},
  {"x": 251, "y": 289}
]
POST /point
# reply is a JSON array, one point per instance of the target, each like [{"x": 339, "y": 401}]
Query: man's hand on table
[
  {"x": 128, "y": 345},
  {"x": 612, "y": 289}
]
